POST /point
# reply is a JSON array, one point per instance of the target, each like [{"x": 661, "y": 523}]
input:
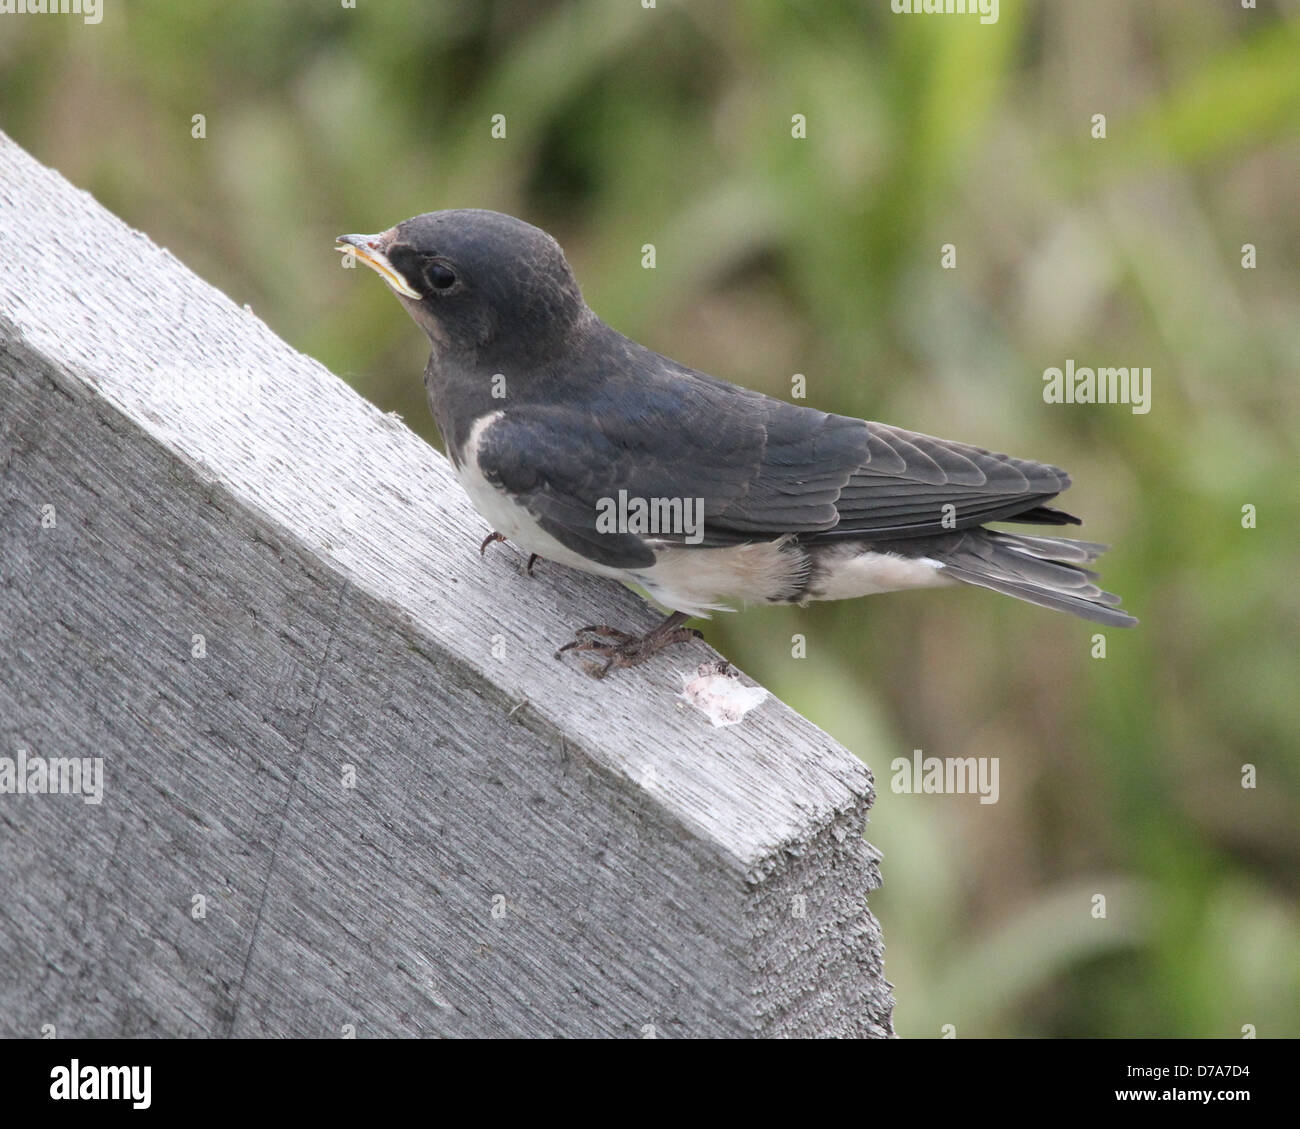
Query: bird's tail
[{"x": 1047, "y": 571}]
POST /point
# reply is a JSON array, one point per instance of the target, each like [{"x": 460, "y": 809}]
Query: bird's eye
[{"x": 439, "y": 275}]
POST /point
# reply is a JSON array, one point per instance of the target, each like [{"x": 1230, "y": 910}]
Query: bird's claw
[
  {"x": 621, "y": 649},
  {"x": 533, "y": 558}
]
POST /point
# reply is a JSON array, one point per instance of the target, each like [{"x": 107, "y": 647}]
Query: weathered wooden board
[{"x": 524, "y": 851}]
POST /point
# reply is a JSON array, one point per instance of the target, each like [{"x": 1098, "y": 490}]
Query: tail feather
[
  {"x": 1052, "y": 548},
  {"x": 1041, "y": 570}
]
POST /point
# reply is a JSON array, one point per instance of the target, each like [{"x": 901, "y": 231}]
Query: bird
[{"x": 585, "y": 448}]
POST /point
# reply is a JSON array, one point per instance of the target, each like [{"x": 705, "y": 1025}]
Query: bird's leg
[
  {"x": 625, "y": 649},
  {"x": 495, "y": 536}
]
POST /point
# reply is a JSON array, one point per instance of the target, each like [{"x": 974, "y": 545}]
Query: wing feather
[{"x": 763, "y": 468}]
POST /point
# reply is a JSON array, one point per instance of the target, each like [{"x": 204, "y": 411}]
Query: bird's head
[{"x": 480, "y": 284}]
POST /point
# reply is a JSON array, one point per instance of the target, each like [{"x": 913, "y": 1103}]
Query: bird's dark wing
[
  {"x": 916, "y": 485},
  {"x": 763, "y": 468},
  {"x": 561, "y": 458}
]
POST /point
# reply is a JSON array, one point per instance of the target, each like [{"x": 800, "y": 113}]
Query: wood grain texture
[{"x": 525, "y": 852}]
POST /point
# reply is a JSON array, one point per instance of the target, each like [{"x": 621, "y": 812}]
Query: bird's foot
[
  {"x": 495, "y": 536},
  {"x": 622, "y": 649}
]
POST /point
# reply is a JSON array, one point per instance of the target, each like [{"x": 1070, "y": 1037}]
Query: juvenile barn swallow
[{"x": 585, "y": 448}]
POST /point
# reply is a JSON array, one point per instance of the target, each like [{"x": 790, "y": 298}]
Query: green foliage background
[{"x": 672, "y": 126}]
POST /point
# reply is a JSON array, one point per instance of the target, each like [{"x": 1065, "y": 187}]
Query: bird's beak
[{"x": 370, "y": 250}]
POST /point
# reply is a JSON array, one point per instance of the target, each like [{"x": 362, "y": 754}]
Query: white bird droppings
[{"x": 720, "y": 695}]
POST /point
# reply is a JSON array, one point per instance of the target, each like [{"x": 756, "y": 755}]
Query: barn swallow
[{"x": 585, "y": 448}]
